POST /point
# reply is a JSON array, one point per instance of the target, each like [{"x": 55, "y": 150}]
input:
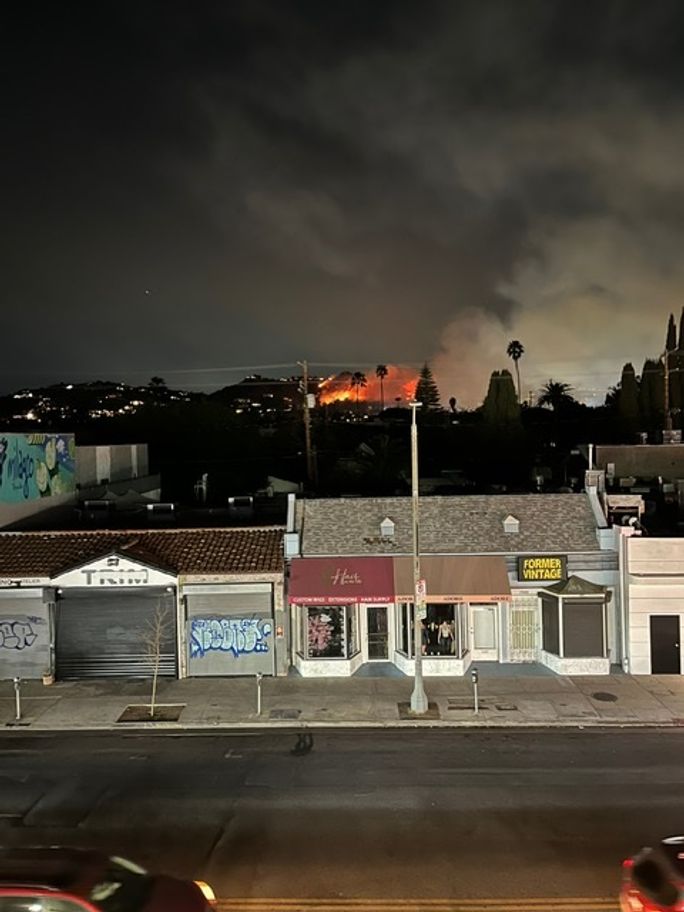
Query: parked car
[
  {"x": 653, "y": 880},
  {"x": 57, "y": 879}
]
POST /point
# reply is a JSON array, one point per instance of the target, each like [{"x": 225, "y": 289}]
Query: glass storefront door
[{"x": 378, "y": 632}]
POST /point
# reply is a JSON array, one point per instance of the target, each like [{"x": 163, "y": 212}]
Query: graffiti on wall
[
  {"x": 240, "y": 636},
  {"x": 19, "y": 633},
  {"x": 36, "y": 465}
]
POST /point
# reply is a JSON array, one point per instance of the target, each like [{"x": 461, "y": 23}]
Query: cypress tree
[
  {"x": 501, "y": 404},
  {"x": 671, "y": 338},
  {"x": 628, "y": 400},
  {"x": 652, "y": 394}
]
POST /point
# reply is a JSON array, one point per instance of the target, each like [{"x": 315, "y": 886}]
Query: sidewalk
[{"x": 231, "y": 703}]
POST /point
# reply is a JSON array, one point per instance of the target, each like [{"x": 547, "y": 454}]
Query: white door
[{"x": 483, "y": 633}]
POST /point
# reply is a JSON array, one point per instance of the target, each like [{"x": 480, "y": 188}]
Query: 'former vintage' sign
[{"x": 542, "y": 567}]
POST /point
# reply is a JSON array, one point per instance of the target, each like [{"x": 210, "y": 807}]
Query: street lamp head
[{"x": 414, "y": 404}]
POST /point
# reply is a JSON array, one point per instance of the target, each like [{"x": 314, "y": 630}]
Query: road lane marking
[{"x": 337, "y": 904}]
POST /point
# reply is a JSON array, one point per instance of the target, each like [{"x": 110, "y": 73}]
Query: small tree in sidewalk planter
[
  {"x": 157, "y": 629},
  {"x": 160, "y": 630}
]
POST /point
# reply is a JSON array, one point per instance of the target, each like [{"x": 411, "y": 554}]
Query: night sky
[{"x": 188, "y": 188}]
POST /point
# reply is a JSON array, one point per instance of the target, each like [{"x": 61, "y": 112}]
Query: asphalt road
[{"x": 364, "y": 814}]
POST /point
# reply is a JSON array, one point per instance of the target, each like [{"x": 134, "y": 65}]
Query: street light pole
[
  {"x": 419, "y": 701},
  {"x": 307, "y": 422}
]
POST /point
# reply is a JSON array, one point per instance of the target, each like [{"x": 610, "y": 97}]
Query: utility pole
[
  {"x": 419, "y": 701},
  {"x": 668, "y": 414},
  {"x": 307, "y": 422}
]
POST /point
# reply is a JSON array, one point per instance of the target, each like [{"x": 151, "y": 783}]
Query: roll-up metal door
[
  {"x": 231, "y": 632},
  {"x": 110, "y": 634}
]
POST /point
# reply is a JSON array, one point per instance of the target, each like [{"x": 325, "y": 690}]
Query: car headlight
[{"x": 206, "y": 891}]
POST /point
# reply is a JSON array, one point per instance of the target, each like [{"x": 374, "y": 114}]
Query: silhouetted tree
[
  {"x": 652, "y": 394},
  {"x": 358, "y": 380},
  {"x": 671, "y": 337},
  {"x": 628, "y": 400},
  {"x": 557, "y": 395},
  {"x": 452, "y": 404},
  {"x": 501, "y": 406},
  {"x": 427, "y": 391},
  {"x": 381, "y": 373},
  {"x": 515, "y": 351},
  {"x": 157, "y": 381}
]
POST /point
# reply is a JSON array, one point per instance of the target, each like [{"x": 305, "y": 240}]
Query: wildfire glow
[{"x": 398, "y": 387}]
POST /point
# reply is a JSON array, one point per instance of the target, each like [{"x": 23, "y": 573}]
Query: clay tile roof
[{"x": 181, "y": 551}]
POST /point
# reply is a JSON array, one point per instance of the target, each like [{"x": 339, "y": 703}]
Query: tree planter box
[{"x": 162, "y": 713}]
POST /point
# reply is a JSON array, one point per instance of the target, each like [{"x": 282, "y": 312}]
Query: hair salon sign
[{"x": 114, "y": 572}]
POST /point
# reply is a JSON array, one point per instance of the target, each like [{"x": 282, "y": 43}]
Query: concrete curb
[{"x": 29, "y": 728}]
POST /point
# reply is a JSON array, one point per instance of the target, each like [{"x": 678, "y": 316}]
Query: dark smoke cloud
[{"x": 260, "y": 182}]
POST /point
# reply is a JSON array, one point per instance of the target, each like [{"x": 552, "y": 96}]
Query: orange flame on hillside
[{"x": 398, "y": 387}]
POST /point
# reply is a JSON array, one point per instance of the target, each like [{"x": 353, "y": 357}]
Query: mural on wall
[
  {"x": 239, "y": 636},
  {"x": 21, "y": 632},
  {"x": 36, "y": 465}
]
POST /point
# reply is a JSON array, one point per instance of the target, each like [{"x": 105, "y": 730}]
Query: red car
[
  {"x": 82, "y": 880},
  {"x": 653, "y": 880}
]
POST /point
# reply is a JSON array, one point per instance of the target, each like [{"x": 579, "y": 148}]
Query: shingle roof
[
  {"x": 450, "y": 525},
  {"x": 183, "y": 551}
]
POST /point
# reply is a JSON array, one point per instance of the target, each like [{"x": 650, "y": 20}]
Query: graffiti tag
[
  {"x": 20, "y": 469},
  {"x": 17, "y": 634},
  {"x": 240, "y": 636}
]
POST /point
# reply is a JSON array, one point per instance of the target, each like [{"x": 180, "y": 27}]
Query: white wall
[
  {"x": 655, "y": 581},
  {"x": 119, "y": 462}
]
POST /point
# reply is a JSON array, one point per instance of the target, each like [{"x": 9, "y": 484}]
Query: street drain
[
  {"x": 604, "y": 697},
  {"x": 284, "y": 714},
  {"x": 506, "y": 707}
]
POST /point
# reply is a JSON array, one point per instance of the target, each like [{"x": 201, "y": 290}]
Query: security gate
[
  {"x": 230, "y": 629},
  {"x": 523, "y": 631},
  {"x": 115, "y": 634}
]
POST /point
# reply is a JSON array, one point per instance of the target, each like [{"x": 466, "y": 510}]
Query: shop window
[
  {"x": 330, "y": 632},
  {"x": 405, "y": 637},
  {"x": 443, "y": 630},
  {"x": 583, "y": 629},
  {"x": 352, "y": 630}
]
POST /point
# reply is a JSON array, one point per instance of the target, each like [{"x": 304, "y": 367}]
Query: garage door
[
  {"x": 230, "y": 632},
  {"x": 113, "y": 634}
]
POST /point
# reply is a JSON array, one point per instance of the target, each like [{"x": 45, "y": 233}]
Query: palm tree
[
  {"x": 358, "y": 380},
  {"x": 381, "y": 373},
  {"x": 556, "y": 394},
  {"x": 515, "y": 350}
]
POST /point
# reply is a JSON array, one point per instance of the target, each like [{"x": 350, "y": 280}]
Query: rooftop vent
[
  {"x": 511, "y": 525},
  {"x": 387, "y": 528}
]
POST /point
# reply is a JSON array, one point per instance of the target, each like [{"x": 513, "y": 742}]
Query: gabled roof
[
  {"x": 471, "y": 524},
  {"x": 133, "y": 551},
  {"x": 180, "y": 551}
]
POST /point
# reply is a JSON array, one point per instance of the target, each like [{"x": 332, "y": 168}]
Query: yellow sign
[{"x": 542, "y": 568}]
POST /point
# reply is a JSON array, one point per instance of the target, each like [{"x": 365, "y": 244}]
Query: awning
[
  {"x": 341, "y": 580},
  {"x": 463, "y": 578},
  {"x": 577, "y": 585}
]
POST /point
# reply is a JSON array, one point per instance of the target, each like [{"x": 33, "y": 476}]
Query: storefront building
[
  {"x": 112, "y": 604},
  {"x": 575, "y": 627},
  {"x": 487, "y": 562},
  {"x": 350, "y": 611},
  {"x": 653, "y": 577}
]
